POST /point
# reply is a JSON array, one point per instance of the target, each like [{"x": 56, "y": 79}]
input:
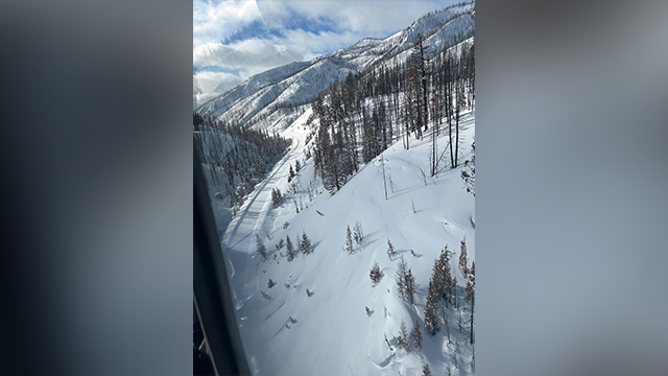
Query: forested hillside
[
  {"x": 344, "y": 191},
  {"x": 364, "y": 114}
]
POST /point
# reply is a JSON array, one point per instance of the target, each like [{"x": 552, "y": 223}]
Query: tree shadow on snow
[
  {"x": 367, "y": 240},
  {"x": 400, "y": 252}
]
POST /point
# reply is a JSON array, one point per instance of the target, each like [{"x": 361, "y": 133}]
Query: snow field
[{"x": 329, "y": 333}]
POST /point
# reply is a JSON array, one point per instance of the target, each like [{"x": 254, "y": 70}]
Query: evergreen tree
[
  {"x": 260, "y": 248},
  {"x": 368, "y": 139},
  {"x": 290, "y": 250},
  {"x": 463, "y": 259},
  {"x": 426, "y": 371},
  {"x": 349, "y": 241},
  {"x": 276, "y": 197},
  {"x": 416, "y": 336},
  {"x": 375, "y": 274},
  {"x": 305, "y": 244},
  {"x": 410, "y": 287},
  {"x": 441, "y": 274},
  {"x": 430, "y": 323},
  {"x": 297, "y": 166},
  {"x": 413, "y": 95},
  {"x": 403, "y": 340},
  {"x": 470, "y": 294},
  {"x": 357, "y": 233},
  {"x": 402, "y": 272}
]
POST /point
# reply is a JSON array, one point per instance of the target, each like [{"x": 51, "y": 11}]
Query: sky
[{"x": 235, "y": 39}]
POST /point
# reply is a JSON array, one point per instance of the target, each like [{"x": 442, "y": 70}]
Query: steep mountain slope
[
  {"x": 313, "y": 319},
  {"x": 275, "y": 98},
  {"x": 328, "y": 332}
]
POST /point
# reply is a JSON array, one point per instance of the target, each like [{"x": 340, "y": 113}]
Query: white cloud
[
  {"x": 349, "y": 21},
  {"x": 213, "y": 21},
  {"x": 375, "y": 18},
  {"x": 207, "y": 85},
  {"x": 250, "y": 54},
  {"x": 218, "y": 81}
]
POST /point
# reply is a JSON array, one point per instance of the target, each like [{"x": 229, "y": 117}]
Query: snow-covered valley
[
  {"x": 286, "y": 331},
  {"x": 350, "y": 251}
]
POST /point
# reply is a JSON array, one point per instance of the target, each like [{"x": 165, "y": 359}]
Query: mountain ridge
[{"x": 273, "y": 99}]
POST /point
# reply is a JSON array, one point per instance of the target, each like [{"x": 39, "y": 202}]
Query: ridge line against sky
[{"x": 235, "y": 39}]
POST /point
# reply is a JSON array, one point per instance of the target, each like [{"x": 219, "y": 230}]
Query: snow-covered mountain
[
  {"x": 313, "y": 320},
  {"x": 320, "y": 313},
  {"x": 274, "y": 99}
]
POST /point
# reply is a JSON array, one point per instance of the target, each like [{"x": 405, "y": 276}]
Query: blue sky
[{"x": 235, "y": 39}]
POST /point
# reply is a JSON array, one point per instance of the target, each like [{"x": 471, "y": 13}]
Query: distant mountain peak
[{"x": 274, "y": 98}]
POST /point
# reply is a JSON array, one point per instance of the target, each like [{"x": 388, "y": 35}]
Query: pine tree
[
  {"x": 276, "y": 197},
  {"x": 470, "y": 294},
  {"x": 349, "y": 241},
  {"x": 358, "y": 236},
  {"x": 416, "y": 336},
  {"x": 297, "y": 166},
  {"x": 305, "y": 244},
  {"x": 402, "y": 272},
  {"x": 403, "y": 340},
  {"x": 390, "y": 250},
  {"x": 290, "y": 250},
  {"x": 430, "y": 323},
  {"x": 426, "y": 371},
  {"x": 463, "y": 259},
  {"x": 375, "y": 274},
  {"x": 261, "y": 249},
  {"x": 441, "y": 273},
  {"x": 369, "y": 137},
  {"x": 292, "y": 172},
  {"x": 410, "y": 287}
]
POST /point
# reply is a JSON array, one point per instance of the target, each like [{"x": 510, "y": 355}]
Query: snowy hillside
[
  {"x": 313, "y": 320},
  {"x": 275, "y": 98}
]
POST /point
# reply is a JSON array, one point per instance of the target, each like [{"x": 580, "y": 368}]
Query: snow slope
[
  {"x": 264, "y": 99},
  {"x": 330, "y": 333}
]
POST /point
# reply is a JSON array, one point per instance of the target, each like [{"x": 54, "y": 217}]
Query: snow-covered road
[{"x": 253, "y": 214}]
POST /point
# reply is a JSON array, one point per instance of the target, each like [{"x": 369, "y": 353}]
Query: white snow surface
[{"x": 331, "y": 333}]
